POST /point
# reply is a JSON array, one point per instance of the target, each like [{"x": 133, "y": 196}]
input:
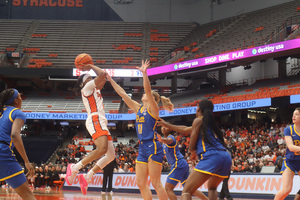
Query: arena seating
[
  {"x": 261, "y": 89},
  {"x": 59, "y": 104},
  {"x": 241, "y": 32},
  {"x": 12, "y": 33},
  {"x": 111, "y": 44}
]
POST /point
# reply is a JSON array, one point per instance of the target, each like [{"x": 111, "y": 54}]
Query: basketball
[{"x": 83, "y": 59}]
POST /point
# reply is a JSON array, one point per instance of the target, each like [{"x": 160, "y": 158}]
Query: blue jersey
[
  {"x": 203, "y": 146},
  {"x": 145, "y": 125},
  {"x": 291, "y": 131},
  {"x": 172, "y": 151},
  {"x": 6, "y": 120}
]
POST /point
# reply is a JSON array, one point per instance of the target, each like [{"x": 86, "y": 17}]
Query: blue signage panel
[
  {"x": 163, "y": 113},
  {"x": 295, "y": 98},
  {"x": 255, "y": 103},
  {"x": 76, "y": 116}
]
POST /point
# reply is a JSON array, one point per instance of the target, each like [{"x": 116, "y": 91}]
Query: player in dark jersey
[
  {"x": 11, "y": 122},
  {"x": 207, "y": 143},
  {"x": 149, "y": 160},
  {"x": 179, "y": 166}
]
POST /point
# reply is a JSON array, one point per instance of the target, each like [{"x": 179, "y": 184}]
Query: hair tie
[{"x": 9, "y": 101}]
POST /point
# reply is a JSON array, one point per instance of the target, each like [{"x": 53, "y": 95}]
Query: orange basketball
[{"x": 83, "y": 59}]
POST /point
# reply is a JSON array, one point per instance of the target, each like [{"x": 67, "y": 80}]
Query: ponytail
[{"x": 167, "y": 104}]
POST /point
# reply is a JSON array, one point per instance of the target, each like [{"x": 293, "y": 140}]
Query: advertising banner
[
  {"x": 162, "y": 113},
  {"x": 252, "y": 183},
  {"x": 236, "y": 55}
]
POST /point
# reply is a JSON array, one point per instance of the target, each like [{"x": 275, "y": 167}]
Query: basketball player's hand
[
  {"x": 31, "y": 171},
  {"x": 159, "y": 137},
  {"x": 145, "y": 65},
  {"x": 161, "y": 122},
  {"x": 193, "y": 156},
  {"x": 108, "y": 77},
  {"x": 86, "y": 67}
]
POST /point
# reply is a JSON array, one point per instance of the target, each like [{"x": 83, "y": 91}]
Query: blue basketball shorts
[
  {"x": 292, "y": 165},
  {"x": 214, "y": 162},
  {"x": 179, "y": 172},
  {"x": 150, "y": 149},
  {"x": 12, "y": 173}
]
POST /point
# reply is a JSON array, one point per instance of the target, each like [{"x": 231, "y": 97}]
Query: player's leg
[
  {"x": 85, "y": 179},
  {"x": 101, "y": 148},
  {"x": 287, "y": 184},
  {"x": 20, "y": 185},
  {"x": 155, "y": 169},
  {"x": 194, "y": 181},
  {"x": 212, "y": 185},
  {"x": 142, "y": 180},
  {"x": 170, "y": 191},
  {"x": 297, "y": 196}
]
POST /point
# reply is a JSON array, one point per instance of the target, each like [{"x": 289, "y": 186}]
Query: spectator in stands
[
  {"x": 108, "y": 172},
  {"x": 239, "y": 168},
  {"x": 11, "y": 122},
  {"x": 60, "y": 139},
  {"x": 292, "y": 162},
  {"x": 115, "y": 139},
  {"x": 278, "y": 165},
  {"x": 48, "y": 175},
  {"x": 96, "y": 124},
  {"x": 55, "y": 174},
  {"x": 36, "y": 177},
  {"x": 265, "y": 147},
  {"x": 131, "y": 141},
  {"x": 149, "y": 159},
  {"x": 41, "y": 176},
  {"x": 246, "y": 167},
  {"x": 278, "y": 157},
  {"x": 280, "y": 140},
  {"x": 281, "y": 150}
]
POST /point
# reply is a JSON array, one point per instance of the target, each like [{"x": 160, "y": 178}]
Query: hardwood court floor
[{"x": 48, "y": 194}]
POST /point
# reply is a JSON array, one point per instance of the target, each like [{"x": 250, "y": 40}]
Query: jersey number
[{"x": 140, "y": 128}]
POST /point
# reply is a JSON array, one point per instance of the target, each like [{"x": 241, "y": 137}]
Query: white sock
[
  {"x": 78, "y": 166},
  {"x": 90, "y": 174}
]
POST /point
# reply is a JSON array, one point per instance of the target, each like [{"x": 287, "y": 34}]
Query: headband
[
  {"x": 86, "y": 76},
  {"x": 9, "y": 101}
]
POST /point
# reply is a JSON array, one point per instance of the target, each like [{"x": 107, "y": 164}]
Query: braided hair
[
  {"x": 5, "y": 95},
  {"x": 78, "y": 86},
  {"x": 209, "y": 122}
]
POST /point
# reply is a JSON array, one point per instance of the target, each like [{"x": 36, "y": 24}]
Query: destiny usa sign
[
  {"x": 256, "y": 103},
  {"x": 236, "y": 55}
]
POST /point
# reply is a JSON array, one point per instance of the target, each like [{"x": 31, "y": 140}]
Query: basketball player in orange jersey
[
  {"x": 96, "y": 124},
  {"x": 150, "y": 158}
]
